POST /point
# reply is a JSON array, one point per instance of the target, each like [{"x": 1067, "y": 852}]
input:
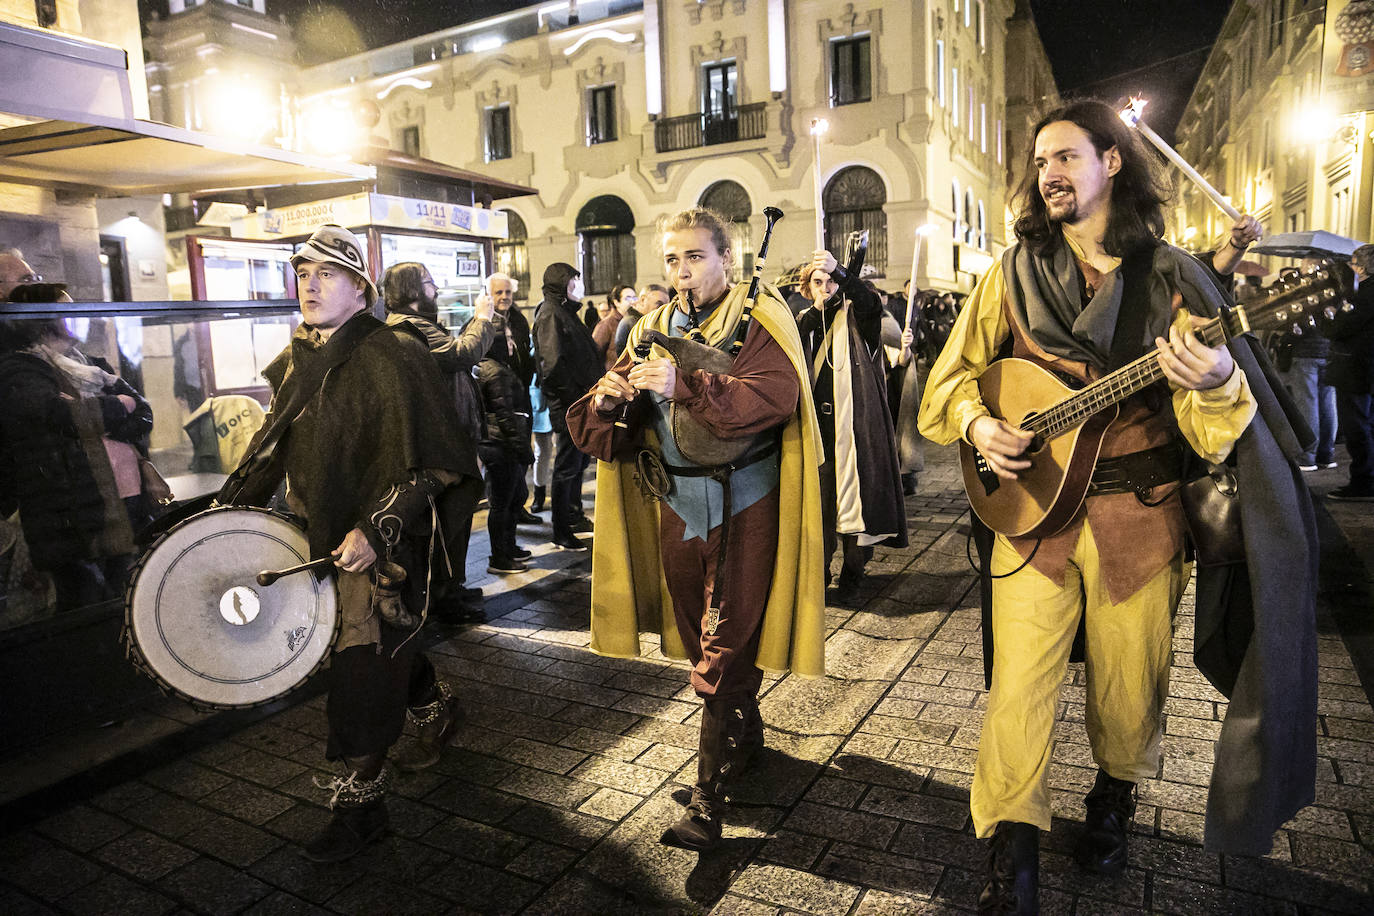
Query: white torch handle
[{"x": 1172, "y": 155}]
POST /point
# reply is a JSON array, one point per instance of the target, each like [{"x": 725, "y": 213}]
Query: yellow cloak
[{"x": 629, "y": 593}]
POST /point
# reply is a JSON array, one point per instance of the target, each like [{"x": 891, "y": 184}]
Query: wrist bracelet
[{"x": 1232, "y": 243}]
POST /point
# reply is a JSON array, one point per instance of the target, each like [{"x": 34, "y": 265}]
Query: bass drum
[{"x": 198, "y": 623}]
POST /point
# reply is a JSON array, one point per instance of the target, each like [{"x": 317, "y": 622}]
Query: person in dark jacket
[
  {"x": 1351, "y": 372},
  {"x": 71, "y": 434},
  {"x": 501, "y": 288},
  {"x": 408, "y": 291},
  {"x": 506, "y": 451},
  {"x": 568, "y": 367}
]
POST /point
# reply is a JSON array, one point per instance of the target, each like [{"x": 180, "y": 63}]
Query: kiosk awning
[{"x": 144, "y": 157}]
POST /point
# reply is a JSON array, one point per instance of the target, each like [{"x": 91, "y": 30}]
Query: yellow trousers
[{"x": 1129, "y": 650}]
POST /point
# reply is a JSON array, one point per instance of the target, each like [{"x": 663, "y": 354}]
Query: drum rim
[{"x": 138, "y": 656}]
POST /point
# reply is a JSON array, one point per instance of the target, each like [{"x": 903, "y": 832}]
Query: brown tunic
[{"x": 761, "y": 395}]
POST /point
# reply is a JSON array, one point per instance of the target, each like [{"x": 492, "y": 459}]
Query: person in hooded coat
[
  {"x": 861, "y": 487},
  {"x": 568, "y": 365}
]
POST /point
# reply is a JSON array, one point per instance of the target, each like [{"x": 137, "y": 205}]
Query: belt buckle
[{"x": 825, "y": 408}]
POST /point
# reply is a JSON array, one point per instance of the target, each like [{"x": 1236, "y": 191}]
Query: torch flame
[{"x": 1132, "y": 112}]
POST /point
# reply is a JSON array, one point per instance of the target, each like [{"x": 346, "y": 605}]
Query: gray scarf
[{"x": 1045, "y": 298}]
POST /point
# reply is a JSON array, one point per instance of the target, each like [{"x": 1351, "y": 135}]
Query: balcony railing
[{"x": 749, "y": 122}]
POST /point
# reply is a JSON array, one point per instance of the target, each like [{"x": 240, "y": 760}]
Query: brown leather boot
[
  {"x": 436, "y": 723},
  {"x": 723, "y": 724},
  {"x": 359, "y": 805}
]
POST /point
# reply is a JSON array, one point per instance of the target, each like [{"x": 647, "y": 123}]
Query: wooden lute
[{"x": 1069, "y": 423}]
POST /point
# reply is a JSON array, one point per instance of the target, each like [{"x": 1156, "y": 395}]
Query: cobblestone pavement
[{"x": 554, "y": 794}]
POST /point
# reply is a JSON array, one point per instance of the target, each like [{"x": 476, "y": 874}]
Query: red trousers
[{"x": 723, "y": 661}]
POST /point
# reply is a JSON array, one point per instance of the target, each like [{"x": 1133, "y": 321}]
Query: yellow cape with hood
[{"x": 629, "y": 593}]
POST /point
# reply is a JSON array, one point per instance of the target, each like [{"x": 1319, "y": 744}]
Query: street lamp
[{"x": 818, "y": 128}]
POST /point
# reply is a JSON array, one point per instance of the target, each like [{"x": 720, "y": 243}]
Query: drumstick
[{"x": 268, "y": 576}]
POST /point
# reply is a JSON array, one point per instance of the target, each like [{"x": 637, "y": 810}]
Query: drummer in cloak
[{"x": 372, "y": 454}]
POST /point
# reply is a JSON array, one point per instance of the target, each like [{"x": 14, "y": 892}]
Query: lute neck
[{"x": 1113, "y": 388}]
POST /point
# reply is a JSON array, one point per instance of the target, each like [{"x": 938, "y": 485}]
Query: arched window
[
  {"x": 512, "y": 255},
  {"x": 970, "y": 230},
  {"x": 853, "y": 200},
  {"x": 982, "y": 227},
  {"x": 606, "y": 245},
  {"x": 956, "y": 202},
  {"x": 731, "y": 201}
]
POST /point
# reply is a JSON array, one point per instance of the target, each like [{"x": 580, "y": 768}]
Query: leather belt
[{"x": 1137, "y": 472}]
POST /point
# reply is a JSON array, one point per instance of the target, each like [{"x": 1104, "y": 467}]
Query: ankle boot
[
  {"x": 435, "y": 724},
  {"x": 537, "y": 505},
  {"x": 1111, "y": 805},
  {"x": 1013, "y": 871},
  {"x": 359, "y": 805},
  {"x": 723, "y": 724}
]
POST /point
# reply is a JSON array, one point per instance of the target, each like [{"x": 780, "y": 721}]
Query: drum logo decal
[{"x": 294, "y": 638}]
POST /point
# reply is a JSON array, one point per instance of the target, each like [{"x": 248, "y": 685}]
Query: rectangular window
[
  {"x": 850, "y": 71},
  {"x": 720, "y": 123},
  {"x": 601, "y": 115},
  {"x": 1276, "y": 17},
  {"x": 970, "y": 113},
  {"x": 410, "y": 140},
  {"x": 968, "y": 13},
  {"x": 980, "y": 23},
  {"x": 954, "y": 94},
  {"x": 940, "y": 70},
  {"x": 1000, "y": 141},
  {"x": 983, "y": 125},
  {"x": 498, "y": 133}
]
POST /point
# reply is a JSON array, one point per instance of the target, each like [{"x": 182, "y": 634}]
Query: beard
[{"x": 1064, "y": 209}]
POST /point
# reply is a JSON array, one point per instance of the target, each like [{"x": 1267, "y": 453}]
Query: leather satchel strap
[{"x": 1128, "y": 340}]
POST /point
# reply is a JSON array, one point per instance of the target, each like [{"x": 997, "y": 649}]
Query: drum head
[{"x": 204, "y": 626}]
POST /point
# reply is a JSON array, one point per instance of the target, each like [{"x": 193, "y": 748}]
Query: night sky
[{"x": 1106, "y": 48}]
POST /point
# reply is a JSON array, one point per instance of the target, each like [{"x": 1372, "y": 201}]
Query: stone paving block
[
  {"x": 897, "y": 727},
  {"x": 315, "y": 882},
  {"x": 911, "y": 806},
  {"x": 610, "y": 804},
  {"x": 796, "y": 850},
  {"x": 650, "y": 685},
  {"x": 869, "y": 745},
  {"x": 839, "y": 824},
  {"x": 1358, "y": 711},
  {"x": 476, "y": 841},
  {"x": 481, "y": 769},
  {"x": 1174, "y": 858},
  {"x": 541, "y": 861},
  {"x": 1181, "y": 825},
  {"x": 579, "y": 671},
  {"x": 1174, "y": 795},
  {"x": 113, "y": 893},
  {"x": 884, "y": 618},
  {"x": 1337, "y": 727},
  {"x": 144, "y": 855},
  {"x": 958, "y": 716},
  {"x": 578, "y": 892},
  {"x": 212, "y": 887},
  {"x": 233, "y": 841},
  {"x": 667, "y": 710},
  {"x": 547, "y": 787},
  {"x": 83, "y": 828},
  {"x": 492, "y": 699},
  {"x": 588, "y": 694},
  {"x": 674, "y": 733},
  {"x": 598, "y": 717},
  {"x": 247, "y": 802},
  {"x": 517, "y": 724},
  {"x": 47, "y": 871},
  {"x": 850, "y": 654},
  {"x": 553, "y": 825},
  {"x": 398, "y": 858},
  {"x": 667, "y": 757},
  {"x": 477, "y": 803},
  {"x": 615, "y": 774},
  {"x": 838, "y": 793},
  {"x": 264, "y": 769},
  {"x": 482, "y": 740},
  {"x": 187, "y": 779},
  {"x": 607, "y": 744},
  {"x": 820, "y": 706},
  {"x": 1329, "y": 854},
  {"x": 935, "y": 755},
  {"x": 283, "y": 904},
  {"x": 897, "y": 774},
  {"x": 882, "y": 870},
  {"x": 921, "y": 675},
  {"x": 1323, "y": 822},
  {"x": 271, "y": 738},
  {"x": 796, "y": 890},
  {"x": 730, "y": 905},
  {"x": 217, "y": 753},
  {"x": 882, "y": 903},
  {"x": 942, "y": 693},
  {"x": 363, "y": 898},
  {"x": 541, "y": 756},
  {"x": 1329, "y": 890},
  {"x": 1188, "y": 727},
  {"x": 932, "y": 844}
]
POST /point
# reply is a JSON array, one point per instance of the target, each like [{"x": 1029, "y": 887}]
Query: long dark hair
[
  {"x": 1139, "y": 189},
  {"x": 403, "y": 289}
]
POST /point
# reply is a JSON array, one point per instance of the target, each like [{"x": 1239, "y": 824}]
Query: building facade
[
  {"x": 1273, "y": 123},
  {"x": 621, "y": 111}
]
